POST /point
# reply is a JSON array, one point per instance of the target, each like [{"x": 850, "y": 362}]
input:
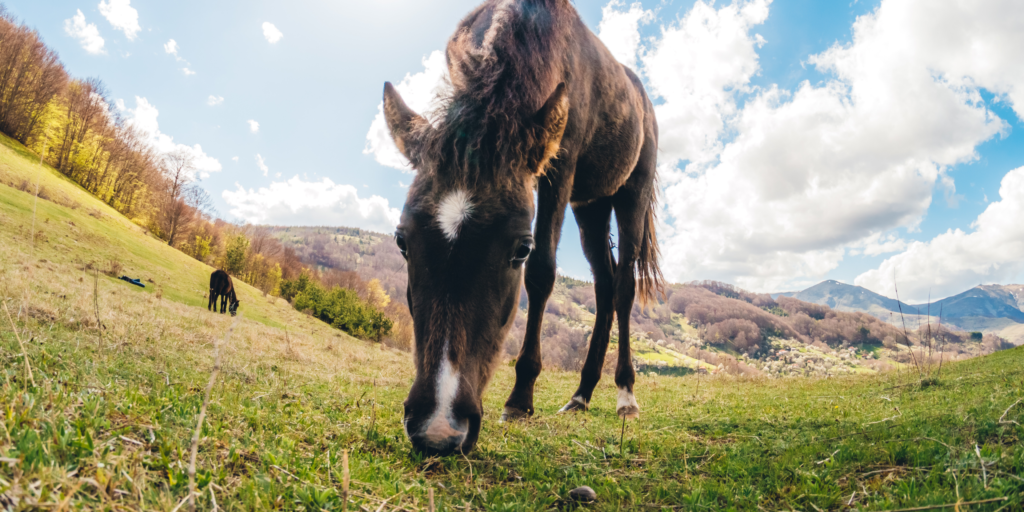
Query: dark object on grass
[
  {"x": 136, "y": 282},
  {"x": 583, "y": 494},
  {"x": 221, "y": 285}
]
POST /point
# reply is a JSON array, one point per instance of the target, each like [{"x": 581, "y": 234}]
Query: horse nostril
[{"x": 433, "y": 446}]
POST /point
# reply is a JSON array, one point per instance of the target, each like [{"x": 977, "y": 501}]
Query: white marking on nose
[
  {"x": 453, "y": 210},
  {"x": 439, "y": 428}
]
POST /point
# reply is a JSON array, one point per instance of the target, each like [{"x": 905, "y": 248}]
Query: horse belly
[{"x": 606, "y": 165}]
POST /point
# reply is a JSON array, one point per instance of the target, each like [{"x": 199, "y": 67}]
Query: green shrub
[
  {"x": 340, "y": 307},
  {"x": 292, "y": 287}
]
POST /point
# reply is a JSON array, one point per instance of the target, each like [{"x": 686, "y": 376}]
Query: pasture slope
[{"x": 105, "y": 418}]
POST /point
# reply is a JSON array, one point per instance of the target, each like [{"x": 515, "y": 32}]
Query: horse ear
[
  {"x": 403, "y": 122},
  {"x": 550, "y": 125}
]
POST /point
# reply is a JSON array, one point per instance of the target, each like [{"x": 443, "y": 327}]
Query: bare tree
[{"x": 179, "y": 167}]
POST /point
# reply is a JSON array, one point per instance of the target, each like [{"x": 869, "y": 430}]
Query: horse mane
[{"x": 504, "y": 60}]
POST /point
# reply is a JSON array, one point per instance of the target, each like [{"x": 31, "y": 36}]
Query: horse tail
[{"x": 650, "y": 281}]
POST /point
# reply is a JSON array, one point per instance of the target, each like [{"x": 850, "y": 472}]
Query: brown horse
[
  {"x": 537, "y": 104},
  {"x": 221, "y": 286}
]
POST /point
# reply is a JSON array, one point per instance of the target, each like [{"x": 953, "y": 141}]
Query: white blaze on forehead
[
  {"x": 453, "y": 210},
  {"x": 439, "y": 428}
]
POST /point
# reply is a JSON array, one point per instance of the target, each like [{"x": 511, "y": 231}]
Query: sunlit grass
[{"x": 110, "y": 422}]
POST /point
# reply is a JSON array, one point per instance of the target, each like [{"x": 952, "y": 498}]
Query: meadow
[{"x": 103, "y": 382}]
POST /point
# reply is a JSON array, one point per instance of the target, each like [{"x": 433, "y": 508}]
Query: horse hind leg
[
  {"x": 633, "y": 205},
  {"x": 594, "y": 220}
]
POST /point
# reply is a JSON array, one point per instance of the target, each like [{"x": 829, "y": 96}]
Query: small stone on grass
[{"x": 583, "y": 494}]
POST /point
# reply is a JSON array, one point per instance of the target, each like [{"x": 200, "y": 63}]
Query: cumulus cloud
[
  {"x": 957, "y": 260},
  {"x": 271, "y": 32},
  {"x": 171, "y": 47},
  {"x": 86, "y": 33},
  {"x": 122, "y": 16},
  {"x": 253, "y": 126},
  {"x": 697, "y": 66},
  {"x": 877, "y": 244},
  {"x": 303, "y": 203},
  {"x": 144, "y": 117},
  {"x": 261, "y": 164},
  {"x": 187, "y": 71},
  {"x": 419, "y": 90},
  {"x": 619, "y": 30},
  {"x": 213, "y": 101},
  {"x": 771, "y": 195}
]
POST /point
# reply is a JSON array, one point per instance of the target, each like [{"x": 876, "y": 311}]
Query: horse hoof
[
  {"x": 631, "y": 412},
  {"x": 627, "y": 407},
  {"x": 576, "y": 404},
  {"x": 513, "y": 414}
]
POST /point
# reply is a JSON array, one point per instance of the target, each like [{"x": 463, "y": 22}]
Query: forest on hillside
[{"x": 711, "y": 322}]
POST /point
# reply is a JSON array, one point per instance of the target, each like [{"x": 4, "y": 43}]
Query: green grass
[
  {"x": 95, "y": 232},
  {"x": 109, "y": 424}
]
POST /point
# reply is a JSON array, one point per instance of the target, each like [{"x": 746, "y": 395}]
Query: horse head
[{"x": 465, "y": 232}]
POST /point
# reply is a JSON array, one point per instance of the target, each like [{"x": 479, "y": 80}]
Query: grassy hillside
[{"x": 105, "y": 420}]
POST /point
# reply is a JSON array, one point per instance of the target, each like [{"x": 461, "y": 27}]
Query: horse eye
[
  {"x": 400, "y": 240},
  {"x": 523, "y": 252}
]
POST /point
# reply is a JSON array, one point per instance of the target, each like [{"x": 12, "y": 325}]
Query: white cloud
[
  {"x": 876, "y": 244},
  {"x": 271, "y": 32},
  {"x": 302, "y": 203},
  {"x": 234, "y": 158},
  {"x": 697, "y": 66},
  {"x": 187, "y": 71},
  {"x": 171, "y": 47},
  {"x": 618, "y": 30},
  {"x": 773, "y": 194},
  {"x": 253, "y": 126},
  {"x": 144, "y": 117},
  {"x": 956, "y": 260},
  {"x": 419, "y": 91},
  {"x": 261, "y": 164},
  {"x": 87, "y": 34},
  {"x": 122, "y": 16},
  {"x": 213, "y": 101}
]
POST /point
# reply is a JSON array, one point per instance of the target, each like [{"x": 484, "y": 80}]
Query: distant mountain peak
[{"x": 975, "y": 308}]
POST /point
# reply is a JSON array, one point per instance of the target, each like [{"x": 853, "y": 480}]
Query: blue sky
[{"x": 812, "y": 140}]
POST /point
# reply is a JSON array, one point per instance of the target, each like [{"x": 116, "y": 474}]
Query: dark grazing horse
[
  {"x": 537, "y": 105},
  {"x": 221, "y": 285}
]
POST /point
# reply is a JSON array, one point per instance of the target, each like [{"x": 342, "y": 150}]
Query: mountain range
[{"x": 993, "y": 309}]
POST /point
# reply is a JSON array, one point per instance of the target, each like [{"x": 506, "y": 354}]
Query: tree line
[{"x": 72, "y": 124}]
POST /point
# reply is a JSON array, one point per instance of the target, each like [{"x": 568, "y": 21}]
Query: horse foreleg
[
  {"x": 594, "y": 221},
  {"x": 540, "y": 280}
]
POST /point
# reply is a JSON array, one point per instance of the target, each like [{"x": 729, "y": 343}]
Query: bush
[
  {"x": 292, "y": 287},
  {"x": 744, "y": 335},
  {"x": 342, "y": 309}
]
